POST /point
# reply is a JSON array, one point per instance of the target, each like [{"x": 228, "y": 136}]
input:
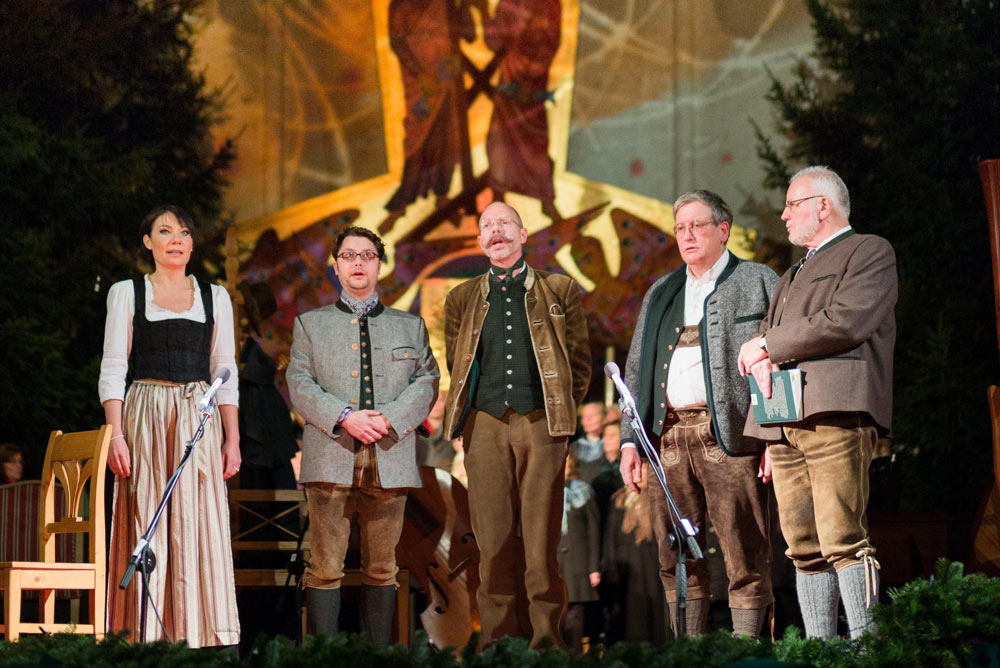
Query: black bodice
[{"x": 176, "y": 350}]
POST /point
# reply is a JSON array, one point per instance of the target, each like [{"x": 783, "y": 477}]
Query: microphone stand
[
  {"x": 684, "y": 532},
  {"x": 296, "y": 567},
  {"x": 143, "y": 557}
]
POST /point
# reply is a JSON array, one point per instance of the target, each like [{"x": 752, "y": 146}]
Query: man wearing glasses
[
  {"x": 519, "y": 358},
  {"x": 832, "y": 317},
  {"x": 364, "y": 378},
  {"x": 694, "y": 403}
]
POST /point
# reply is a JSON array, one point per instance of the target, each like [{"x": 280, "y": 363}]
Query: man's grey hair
[
  {"x": 721, "y": 213},
  {"x": 829, "y": 184}
]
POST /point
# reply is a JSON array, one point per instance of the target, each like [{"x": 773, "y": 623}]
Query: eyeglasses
[
  {"x": 694, "y": 227},
  {"x": 793, "y": 203},
  {"x": 500, "y": 222},
  {"x": 367, "y": 256}
]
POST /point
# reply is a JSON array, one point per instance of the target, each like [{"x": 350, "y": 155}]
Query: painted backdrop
[{"x": 408, "y": 116}]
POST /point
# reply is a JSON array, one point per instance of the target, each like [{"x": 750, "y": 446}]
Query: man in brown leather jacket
[{"x": 519, "y": 359}]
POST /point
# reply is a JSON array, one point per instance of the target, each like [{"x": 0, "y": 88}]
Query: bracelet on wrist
[
  {"x": 343, "y": 415},
  {"x": 121, "y": 436}
]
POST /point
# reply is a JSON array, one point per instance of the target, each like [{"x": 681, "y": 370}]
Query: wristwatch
[
  {"x": 763, "y": 343},
  {"x": 343, "y": 416}
]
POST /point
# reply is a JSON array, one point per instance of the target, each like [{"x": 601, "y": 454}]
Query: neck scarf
[{"x": 359, "y": 306}]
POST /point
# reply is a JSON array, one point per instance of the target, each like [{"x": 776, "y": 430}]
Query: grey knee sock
[
  {"x": 853, "y": 589},
  {"x": 747, "y": 622},
  {"x": 696, "y": 619},
  {"x": 377, "y": 606},
  {"x": 819, "y": 596},
  {"x": 322, "y": 610}
]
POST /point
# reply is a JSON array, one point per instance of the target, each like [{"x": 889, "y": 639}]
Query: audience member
[
  {"x": 12, "y": 460},
  {"x": 630, "y": 569},
  {"x": 579, "y": 553}
]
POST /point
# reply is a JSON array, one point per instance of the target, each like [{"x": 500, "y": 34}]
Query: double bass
[{"x": 438, "y": 547}]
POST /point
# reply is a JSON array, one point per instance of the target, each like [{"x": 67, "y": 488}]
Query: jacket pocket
[
  {"x": 749, "y": 318},
  {"x": 404, "y": 353},
  {"x": 558, "y": 321},
  {"x": 823, "y": 278}
]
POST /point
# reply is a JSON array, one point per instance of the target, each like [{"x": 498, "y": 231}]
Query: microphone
[
  {"x": 611, "y": 371},
  {"x": 209, "y": 396}
]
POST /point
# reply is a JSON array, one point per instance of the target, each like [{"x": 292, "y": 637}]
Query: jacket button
[
  {"x": 354, "y": 346},
  {"x": 354, "y": 321},
  {"x": 670, "y": 347},
  {"x": 663, "y": 405},
  {"x": 677, "y": 330},
  {"x": 475, "y": 331},
  {"x": 468, "y": 358},
  {"x": 354, "y": 400},
  {"x": 354, "y": 374}
]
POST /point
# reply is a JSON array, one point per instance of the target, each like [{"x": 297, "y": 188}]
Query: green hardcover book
[{"x": 785, "y": 404}]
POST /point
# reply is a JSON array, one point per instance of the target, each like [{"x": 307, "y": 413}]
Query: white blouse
[{"x": 118, "y": 337}]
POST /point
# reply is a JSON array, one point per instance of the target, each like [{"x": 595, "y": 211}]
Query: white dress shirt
[
  {"x": 118, "y": 337},
  {"x": 686, "y": 377},
  {"x": 833, "y": 236}
]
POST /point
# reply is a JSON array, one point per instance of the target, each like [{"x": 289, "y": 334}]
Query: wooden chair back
[{"x": 71, "y": 461}]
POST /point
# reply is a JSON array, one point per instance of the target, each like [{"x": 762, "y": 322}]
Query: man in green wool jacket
[{"x": 693, "y": 403}]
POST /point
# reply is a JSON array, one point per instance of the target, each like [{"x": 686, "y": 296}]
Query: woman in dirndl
[{"x": 169, "y": 336}]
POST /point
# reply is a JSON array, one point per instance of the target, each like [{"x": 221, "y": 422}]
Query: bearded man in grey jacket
[{"x": 693, "y": 404}]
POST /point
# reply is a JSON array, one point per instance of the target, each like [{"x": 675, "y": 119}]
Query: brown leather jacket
[{"x": 558, "y": 334}]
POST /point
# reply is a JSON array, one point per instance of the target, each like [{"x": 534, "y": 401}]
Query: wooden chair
[{"x": 72, "y": 460}]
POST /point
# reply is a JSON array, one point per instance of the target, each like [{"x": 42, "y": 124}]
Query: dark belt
[{"x": 687, "y": 417}]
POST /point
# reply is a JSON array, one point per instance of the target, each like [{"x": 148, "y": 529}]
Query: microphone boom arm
[
  {"x": 684, "y": 533},
  {"x": 682, "y": 526}
]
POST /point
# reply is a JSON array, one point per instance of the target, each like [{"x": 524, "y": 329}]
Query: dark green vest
[{"x": 508, "y": 371}]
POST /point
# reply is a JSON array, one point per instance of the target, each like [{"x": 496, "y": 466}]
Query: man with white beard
[{"x": 831, "y": 317}]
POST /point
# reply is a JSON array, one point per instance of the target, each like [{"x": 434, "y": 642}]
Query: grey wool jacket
[
  {"x": 323, "y": 378},
  {"x": 731, "y": 316}
]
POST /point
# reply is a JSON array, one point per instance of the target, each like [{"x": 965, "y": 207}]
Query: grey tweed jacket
[
  {"x": 323, "y": 379},
  {"x": 732, "y": 314}
]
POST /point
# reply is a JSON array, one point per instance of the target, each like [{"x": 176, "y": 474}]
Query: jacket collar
[
  {"x": 830, "y": 243},
  {"x": 484, "y": 281},
  {"x": 679, "y": 276}
]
